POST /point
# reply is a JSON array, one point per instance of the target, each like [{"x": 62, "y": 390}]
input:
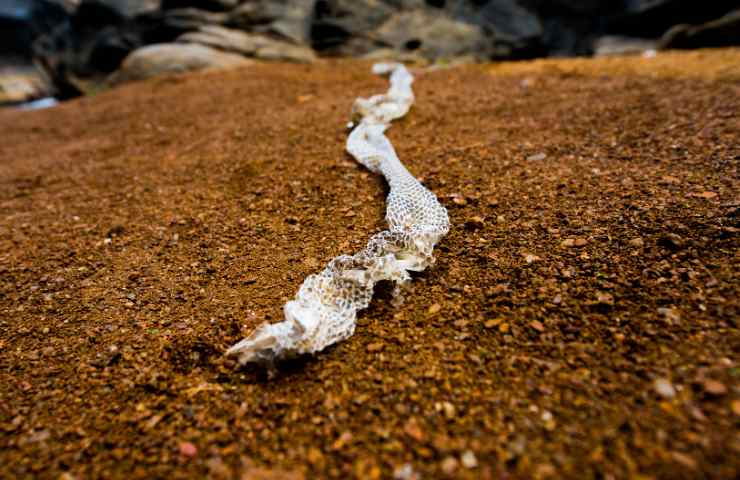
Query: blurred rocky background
[{"x": 66, "y": 48}]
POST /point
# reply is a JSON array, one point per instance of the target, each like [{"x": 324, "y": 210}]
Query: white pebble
[
  {"x": 468, "y": 459},
  {"x": 664, "y": 388}
]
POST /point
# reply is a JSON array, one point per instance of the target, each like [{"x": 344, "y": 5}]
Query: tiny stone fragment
[
  {"x": 604, "y": 298},
  {"x": 448, "y": 409},
  {"x": 493, "y": 323},
  {"x": 715, "y": 388},
  {"x": 404, "y": 472},
  {"x": 188, "y": 450},
  {"x": 413, "y": 430},
  {"x": 468, "y": 459},
  {"x": 449, "y": 465},
  {"x": 537, "y": 157},
  {"x": 684, "y": 460},
  {"x": 664, "y": 388}
]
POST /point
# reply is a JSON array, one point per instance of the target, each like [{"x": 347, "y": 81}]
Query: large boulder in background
[
  {"x": 516, "y": 32},
  {"x": 153, "y": 60},
  {"x": 89, "y": 45},
  {"x": 344, "y": 27},
  {"x": 290, "y": 19},
  {"x": 248, "y": 44},
  {"x": 20, "y": 83},
  {"x": 432, "y": 35}
]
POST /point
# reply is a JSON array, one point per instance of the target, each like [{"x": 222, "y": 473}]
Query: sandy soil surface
[{"x": 581, "y": 320}]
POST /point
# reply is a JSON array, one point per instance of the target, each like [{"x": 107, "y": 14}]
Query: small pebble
[
  {"x": 537, "y": 157},
  {"x": 404, "y": 472},
  {"x": 449, "y": 410},
  {"x": 493, "y": 323},
  {"x": 685, "y": 460},
  {"x": 664, "y": 388},
  {"x": 449, "y": 465},
  {"x": 468, "y": 459},
  {"x": 188, "y": 450},
  {"x": 715, "y": 388}
]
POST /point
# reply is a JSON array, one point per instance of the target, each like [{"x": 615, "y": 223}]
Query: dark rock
[
  {"x": 653, "y": 18},
  {"x": 290, "y": 19},
  {"x": 96, "y": 38},
  {"x": 516, "y": 31},
  {"x": 346, "y": 26},
  {"x": 212, "y": 5},
  {"x": 581, "y": 7},
  {"x": 21, "y": 21},
  {"x": 80, "y": 44},
  {"x": 723, "y": 32},
  {"x": 671, "y": 241}
]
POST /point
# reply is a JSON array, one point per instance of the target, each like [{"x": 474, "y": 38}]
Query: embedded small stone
[
  {"x": 468, "y": 459},
  {"x": 664, "y": 388},
  {"x": 568, "y": 243},
  {"x": 537, "y": 157},
  {"x": 715, "y": 388},
  {"x": 188, "y": 450}
]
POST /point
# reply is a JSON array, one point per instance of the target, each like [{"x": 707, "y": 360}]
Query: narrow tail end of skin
[{"x": 259, "y": 347}]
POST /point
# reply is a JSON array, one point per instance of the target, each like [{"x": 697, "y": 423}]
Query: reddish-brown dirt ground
[{"x": 581, "y": 320}]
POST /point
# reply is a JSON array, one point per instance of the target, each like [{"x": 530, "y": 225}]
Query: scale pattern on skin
[{"x": 325, "y": 309}]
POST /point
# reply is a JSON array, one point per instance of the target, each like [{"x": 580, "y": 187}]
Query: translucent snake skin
[{"x": 325, "y": 309}]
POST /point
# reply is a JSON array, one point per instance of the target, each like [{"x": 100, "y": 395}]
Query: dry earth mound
[{"x": 581, "y": 320}]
